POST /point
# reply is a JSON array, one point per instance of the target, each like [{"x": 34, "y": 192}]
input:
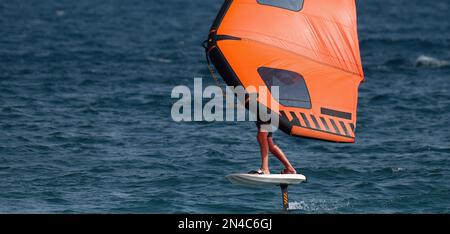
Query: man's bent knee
[{"x": 272, "y": 145}]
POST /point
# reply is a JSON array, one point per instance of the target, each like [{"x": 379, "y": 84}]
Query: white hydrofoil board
[{"x": 263, "y": 180}]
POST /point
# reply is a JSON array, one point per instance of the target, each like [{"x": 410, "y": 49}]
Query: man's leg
[
  {"x": 264, "y": 146},
  {"x": 280, "y": 155}
]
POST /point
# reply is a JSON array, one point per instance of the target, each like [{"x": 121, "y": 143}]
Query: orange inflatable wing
[{"x": 309, "y": 48}]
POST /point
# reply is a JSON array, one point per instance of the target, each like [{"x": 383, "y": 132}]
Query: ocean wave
[
  {"x": 431, "y": 62},
  {"x": 422, "y": 61},
  {"x": 159, "y": 60}
]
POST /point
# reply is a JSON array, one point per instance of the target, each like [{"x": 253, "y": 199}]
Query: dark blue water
[{"x": 85, "y": 122}]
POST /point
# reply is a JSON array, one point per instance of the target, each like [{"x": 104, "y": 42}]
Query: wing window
[
  {"x": 292, "y": 5},
  {"x": 293, "y": 91}
]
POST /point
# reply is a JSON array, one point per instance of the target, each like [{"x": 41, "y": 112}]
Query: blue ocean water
[{"x": 85, "y": 123}]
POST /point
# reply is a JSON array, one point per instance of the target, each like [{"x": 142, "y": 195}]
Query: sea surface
[{"x": 85, "y": 124}]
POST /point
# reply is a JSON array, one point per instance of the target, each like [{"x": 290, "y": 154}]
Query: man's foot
[
  {"x": 259, "y": 172},
  {"x": 289, "y": 171}
]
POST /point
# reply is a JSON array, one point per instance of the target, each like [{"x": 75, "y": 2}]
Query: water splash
[{"x": 318, "y": 205}]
